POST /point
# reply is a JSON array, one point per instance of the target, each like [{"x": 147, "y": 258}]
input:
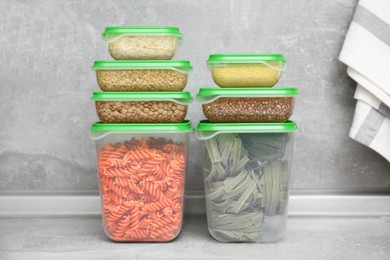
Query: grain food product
[
  {"x": 236, "y": 105},
  {"x": 141, "y": 80},
  {"x": 246, "y": 70},
  {"x": 246, "y": 175},
  {"x": 141, "y": 107},
  {"x": 125, "y": 76},
  {"x": 142, "y": 43},
  {"x": 142, "y": 180}
]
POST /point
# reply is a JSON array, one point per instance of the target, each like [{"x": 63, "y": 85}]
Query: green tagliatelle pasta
[
  {"x": 267, "y": 147},
  {"x": 244, "y": 183}
]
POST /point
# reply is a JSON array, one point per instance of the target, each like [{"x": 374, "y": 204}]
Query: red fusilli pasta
[{"x": 142, "y": 189}]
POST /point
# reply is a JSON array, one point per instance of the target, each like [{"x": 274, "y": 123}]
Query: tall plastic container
[
  {"x": 246, "y": 170},
  {"x": 141, "y": 170}
]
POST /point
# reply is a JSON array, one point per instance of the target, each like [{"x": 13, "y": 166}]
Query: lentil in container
[
  {"x": 141, "y": 107},
  {"x": 138, "y": 111}
]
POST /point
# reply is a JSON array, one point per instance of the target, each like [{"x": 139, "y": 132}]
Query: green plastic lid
[
  {"x": 245, "y": 58},
  {"x": 183, "y": 98},
  {"x": 141, "y": 30},
  {"x": 179, "y": 65},
  {"x": 100, "y": 130},
  {"x": 207, "y": 95},
  {"x": 207, "y": 130}
]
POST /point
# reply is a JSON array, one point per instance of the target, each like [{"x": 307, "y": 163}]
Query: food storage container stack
[
  {"x": 247, "y": 145},
  {"x": 142, "y": 137}
]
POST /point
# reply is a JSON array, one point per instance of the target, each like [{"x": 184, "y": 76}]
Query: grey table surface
[{"x": 306, "y": 238}]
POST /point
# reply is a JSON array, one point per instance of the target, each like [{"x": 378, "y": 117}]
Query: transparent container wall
[
  {"x": 142, "y": 47},
  {"x": 140, "y": 111},
  {"x": 127, "y": 80},
  {"x": 249, "y": 110},
  {"x": 254, "y": 75},
  {"x": 141, "y": 179},
  {"x": 246, "y": 179}
]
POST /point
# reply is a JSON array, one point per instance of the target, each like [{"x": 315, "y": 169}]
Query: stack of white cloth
[{"x": 366, "y": 52}]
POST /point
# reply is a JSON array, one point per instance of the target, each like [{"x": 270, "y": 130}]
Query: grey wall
[{"x": 47, "y": 48}]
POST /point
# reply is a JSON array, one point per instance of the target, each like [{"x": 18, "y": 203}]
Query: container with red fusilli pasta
[{"x": 141, "y": 171}]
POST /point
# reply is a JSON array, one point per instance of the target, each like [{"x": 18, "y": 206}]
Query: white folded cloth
[{"x": 366, "y": 52}]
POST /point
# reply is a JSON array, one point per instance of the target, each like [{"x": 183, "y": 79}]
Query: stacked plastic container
[
  {"x": 247, "y": 145},
  {"x": 142, "y": 137}
]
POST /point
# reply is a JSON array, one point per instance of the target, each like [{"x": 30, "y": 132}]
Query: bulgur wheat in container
[
  {"x": 246, "y": 70},
  {"x": 142, "y": 42},
  {"x": 141, "y": 107},
  {"x": 139, "y": 75}
]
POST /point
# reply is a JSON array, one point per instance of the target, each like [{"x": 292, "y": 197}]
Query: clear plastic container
[
  {"x": 141, "y": 107},
  {"x": 246, "y": 171},
  {"x": 141, "y": 170},
  {"x": 142, "y": 42},
  {"x": 141, "y": 75},
  {"x": 247, "y": 105},
  {"x": 246, "y": 70}
]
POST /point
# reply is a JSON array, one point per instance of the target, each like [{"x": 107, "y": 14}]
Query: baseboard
[{"x": 299, "y": 205}]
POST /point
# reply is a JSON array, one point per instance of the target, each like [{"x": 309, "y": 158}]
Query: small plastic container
[
  {"x": 141, "y": 107},
  {"x": 246, "y": 169},
  {"x": 139, "y": 75},
  {"x": 141, "y": 170},
  {"x": 141, "y": 42},
  {"x": 246, "y": 70},
  {"x": 235, "y": 105}
]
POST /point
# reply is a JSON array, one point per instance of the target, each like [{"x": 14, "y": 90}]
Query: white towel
[{"x": 366, "y": 52}]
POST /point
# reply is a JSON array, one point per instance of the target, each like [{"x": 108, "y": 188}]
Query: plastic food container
[
  {"x": 142, "y": 43},
  {"x": 246, "y": 70},
  {"x": 235, "y": 105},
  {"x": 141, "y": 107},
  {"x": 141, "y": 170},
  {"x": 246, "y": 171},
  {"x": 138, "y": 75}
]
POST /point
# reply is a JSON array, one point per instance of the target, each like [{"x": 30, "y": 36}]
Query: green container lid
[
  {"x": 141, "y": 30},
  {"x": 207, "y": 95},
  {"x": 179, "y": 65},
  {"x": 207, "y": 130},
  {"x": 244, "y": 58},
  {"x": 184, "y": 126},
  {"x": 183, "y": 98},
  {"x": 101, "y": 130}
]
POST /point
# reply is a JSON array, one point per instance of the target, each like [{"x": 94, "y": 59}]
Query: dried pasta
[
  {"x": 243, "y": 184},
  {"x": 142, "y": 189}
]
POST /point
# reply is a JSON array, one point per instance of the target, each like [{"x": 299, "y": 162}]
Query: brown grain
[
  {"x": 250, "y": 110},
  {"x": 141, "y": 80},
  {"x": 140, "y": 111}
]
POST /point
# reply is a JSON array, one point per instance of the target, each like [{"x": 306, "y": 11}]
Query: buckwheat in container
[
  {"x": 141, "y": 107},
  {"x": 142, "y": 42},
  {"x": 246, "y": 70},
  {"x": 246, "y": 171},
  {"x": 141, "y": 170},
  {"x": 142, "y": 75},
  {"x": 255, "y": 105}
]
